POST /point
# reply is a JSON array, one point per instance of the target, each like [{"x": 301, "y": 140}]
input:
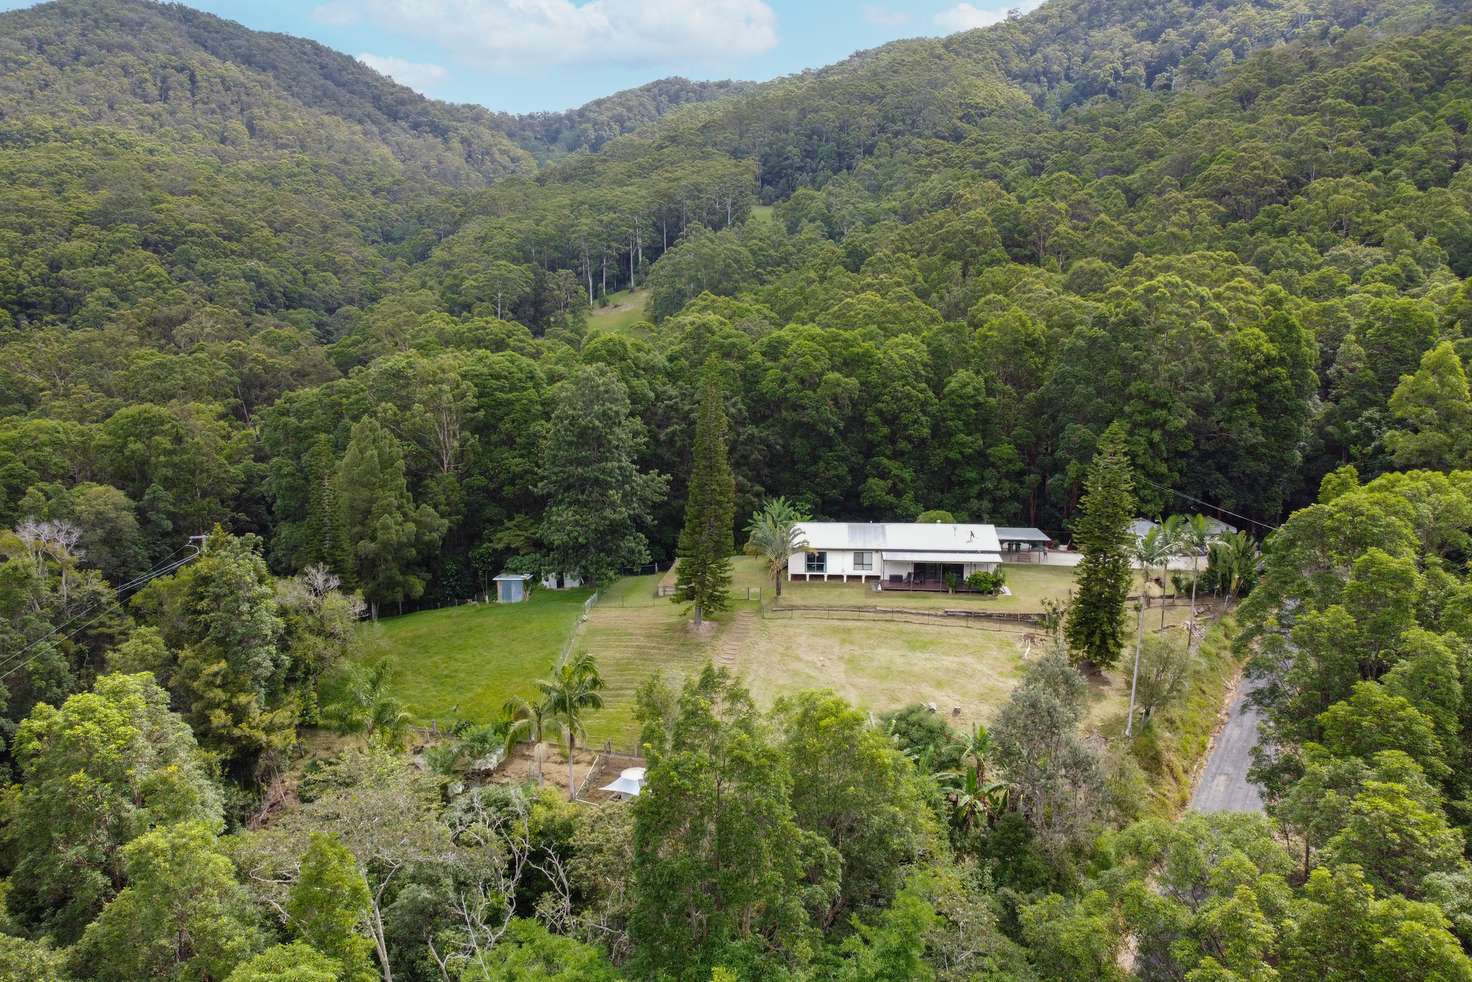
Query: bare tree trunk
[
  {"x": 380, "y": 943},
  {"x": 572, "y": 784},
  {"x": 1195, "y": 565},
  {"x": 1129, "y": 721},
  {"x": 1164, "y": 579}
]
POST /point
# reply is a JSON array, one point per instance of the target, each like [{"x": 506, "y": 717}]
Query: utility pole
[{"x": 1129, "y": 722}]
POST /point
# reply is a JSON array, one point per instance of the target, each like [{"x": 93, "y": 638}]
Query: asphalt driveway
[{"x": 1223, "y": 786}]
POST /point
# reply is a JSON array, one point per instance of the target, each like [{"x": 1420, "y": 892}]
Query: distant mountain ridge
[{"x": 237, "y": 92}]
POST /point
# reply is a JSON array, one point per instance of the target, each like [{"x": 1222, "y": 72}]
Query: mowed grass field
[
  {"x": 624, "y": 310},
  {"x": 465, "y": 662}
]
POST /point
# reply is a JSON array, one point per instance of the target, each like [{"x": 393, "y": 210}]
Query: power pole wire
[
  {"x": 8, "y": 663},
  {"x": 1205, "y": 504}
]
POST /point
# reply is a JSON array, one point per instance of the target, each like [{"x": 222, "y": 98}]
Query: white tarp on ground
[{"x": 629, "y": 782}]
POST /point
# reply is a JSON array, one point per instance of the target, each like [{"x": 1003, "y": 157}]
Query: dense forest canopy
[{"x": 252, "y": 290}]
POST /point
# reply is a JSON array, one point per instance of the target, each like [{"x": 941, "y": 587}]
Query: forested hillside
[{"x": 251, "y": 289}]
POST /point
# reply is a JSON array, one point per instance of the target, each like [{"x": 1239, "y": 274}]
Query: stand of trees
[{"x": 252, "y": 292}]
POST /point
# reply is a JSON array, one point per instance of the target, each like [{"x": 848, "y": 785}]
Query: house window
[
  {"x": 817, "y": 562},
  {"x": 864, "y": 560}
]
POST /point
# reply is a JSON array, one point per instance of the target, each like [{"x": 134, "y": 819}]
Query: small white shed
[{"x": 511, "y": 588}]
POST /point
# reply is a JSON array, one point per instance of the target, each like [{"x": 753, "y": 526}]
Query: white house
[{"x": 906, "y": 555}]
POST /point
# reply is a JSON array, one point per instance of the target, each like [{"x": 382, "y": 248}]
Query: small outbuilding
[
  {"x": 1021, "y": 540},
  {"x": 511, "y": 588}
]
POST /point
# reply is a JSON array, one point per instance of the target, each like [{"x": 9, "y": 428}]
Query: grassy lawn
[
  {"x": 747, "y": 577},
  {"x": 878, "y": 664},
  {"x": 624, "y": 311},
  {"x": 883, "y": 665},
  {"x": 465, "y": 662},
  {"x": 1030, "y": 586},
  {"x": 635, "y": 634}
]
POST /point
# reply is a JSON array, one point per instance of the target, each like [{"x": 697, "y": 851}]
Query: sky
[{"x": 530, "y": 55}]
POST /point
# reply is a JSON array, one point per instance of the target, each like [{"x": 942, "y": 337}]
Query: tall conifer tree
[
  {"x": 706, "y": 541},
  {"x": 325, "y": 539},
  {"x": 1102, "y": 531}
]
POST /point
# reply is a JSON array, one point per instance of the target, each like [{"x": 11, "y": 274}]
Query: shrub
[{"x": 984, "y": 582}]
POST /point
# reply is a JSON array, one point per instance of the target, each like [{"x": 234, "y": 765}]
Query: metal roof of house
[
  {"x": 911, "y": 536},
  {"x": 943, "y": 557},
  {"x": 1023, "y": 535}
]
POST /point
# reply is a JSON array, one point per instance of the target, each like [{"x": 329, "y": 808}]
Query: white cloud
[
  {"x": 528, "y": 32},
  {"x": 419, "y": 76},
  {"x": 336, "y": 15},
  {"x": 965, "y": 17},
  {"x": 884, "y": 17}
]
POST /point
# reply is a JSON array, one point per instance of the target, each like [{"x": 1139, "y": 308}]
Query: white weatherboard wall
[{"x": 840, "y": 563}]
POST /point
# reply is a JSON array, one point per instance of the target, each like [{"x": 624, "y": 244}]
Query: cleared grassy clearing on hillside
[
  {"x": 465, "y": 662},
  {"x": 624, "y": 310}
]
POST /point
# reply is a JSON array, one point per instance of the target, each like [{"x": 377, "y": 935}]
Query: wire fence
[{"x": 577, "y": 628}]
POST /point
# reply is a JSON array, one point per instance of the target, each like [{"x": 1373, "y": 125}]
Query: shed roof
[
  {"x": 511, "y": 576},
  {"x": 1141, "y": 527},
  {"x": 913, "y": 536},
  {"x": 1023, "y": 535}
]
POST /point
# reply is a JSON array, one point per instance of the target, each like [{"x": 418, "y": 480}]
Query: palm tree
[
  {"x": 1155, "y": 549},
  {"x": 573, "y": 689},
  {"x": 971, "y": 791},
  {"x": 1236, "y": 556},
  {"x": 1195, "y": 540},
  {"x": 1174, "y": 530},
  {"x": 529, "y": 722},
  {"x": 365, "y": 705},
  {"x": 773, "y": 534}
]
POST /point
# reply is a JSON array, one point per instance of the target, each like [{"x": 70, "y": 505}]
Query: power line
[
  {"x": 99, "y": 605},
  {"x": 1205, "y": 504},
  {"x": 9, "y": 661}
]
